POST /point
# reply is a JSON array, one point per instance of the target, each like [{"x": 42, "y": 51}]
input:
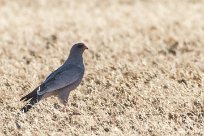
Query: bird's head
[{"x": 78, "y": 48}]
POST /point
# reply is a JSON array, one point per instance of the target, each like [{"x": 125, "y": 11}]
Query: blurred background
[{"x": 144, "y": 68}]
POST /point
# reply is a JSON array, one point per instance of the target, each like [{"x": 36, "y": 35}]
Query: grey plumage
[{"x": 60, "y": 82}]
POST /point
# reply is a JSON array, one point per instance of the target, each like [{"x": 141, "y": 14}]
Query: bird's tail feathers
[
  {"x": 33, "y": 98},
  {"x": 30, "y": 95}
]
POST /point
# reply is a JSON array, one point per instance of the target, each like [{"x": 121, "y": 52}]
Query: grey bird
[{"x": 60, "y": 82}]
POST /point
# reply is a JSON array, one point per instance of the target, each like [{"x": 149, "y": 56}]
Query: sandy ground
[{"x": 144, "y": 68}]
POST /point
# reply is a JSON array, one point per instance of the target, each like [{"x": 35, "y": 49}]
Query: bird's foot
[
  {"x": 76, "y": 113},
  {"x": 64, "y": 109}
]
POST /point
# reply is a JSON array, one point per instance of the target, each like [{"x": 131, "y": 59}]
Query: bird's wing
[
  {"x": 54, "y": 73},
  {"x": 61, "y": 79}
]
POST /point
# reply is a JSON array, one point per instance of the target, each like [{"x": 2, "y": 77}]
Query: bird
[{"x": 61, "y": 81}]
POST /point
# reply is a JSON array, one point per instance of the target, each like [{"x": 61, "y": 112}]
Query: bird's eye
[{"x": 80, "y": 46}]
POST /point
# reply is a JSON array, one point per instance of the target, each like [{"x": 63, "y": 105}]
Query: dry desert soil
[{"x": 144, "y": 67}]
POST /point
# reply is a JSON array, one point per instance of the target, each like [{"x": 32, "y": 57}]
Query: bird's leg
[{"x": 65, "y": 108}]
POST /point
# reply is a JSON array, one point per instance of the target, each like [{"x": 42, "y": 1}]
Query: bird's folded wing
[
  {"x": 53, "y": 74},
  {"x": 61, "y": 79}
]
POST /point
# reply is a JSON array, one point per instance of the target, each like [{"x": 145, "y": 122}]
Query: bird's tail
[{"x": 33, "y": 98}]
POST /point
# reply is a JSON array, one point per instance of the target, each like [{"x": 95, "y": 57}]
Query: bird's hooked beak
[{"x": 85, "y": 47}]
